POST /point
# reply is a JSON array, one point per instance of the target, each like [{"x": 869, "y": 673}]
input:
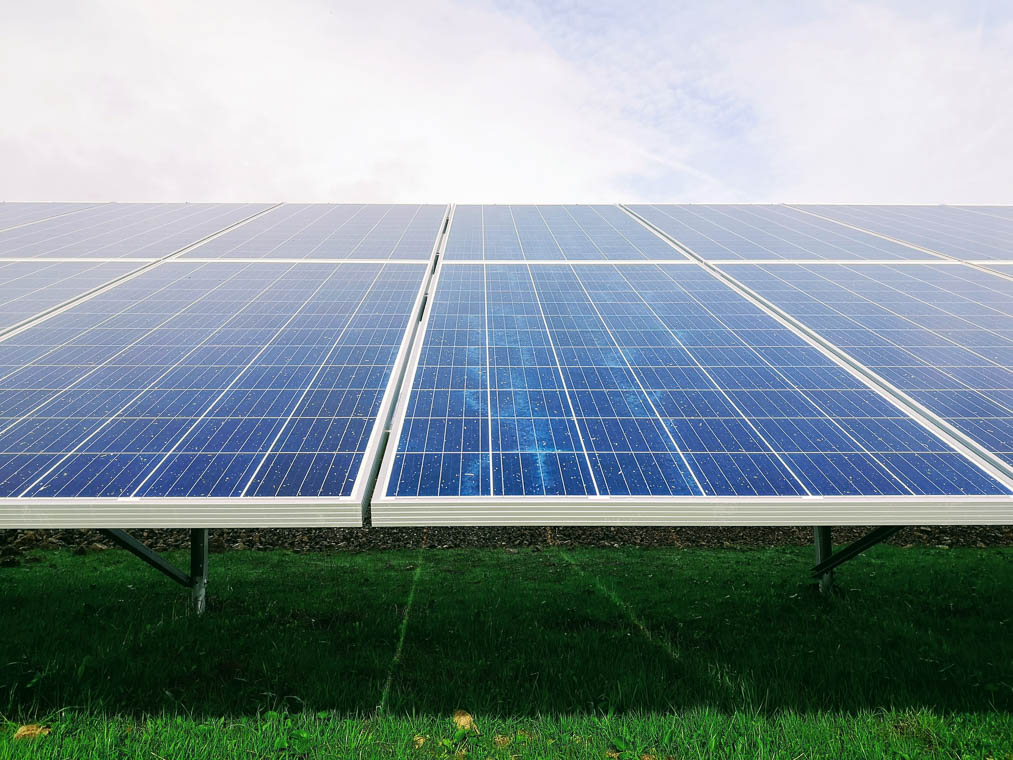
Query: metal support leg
[
  {"x": 199, "y": 568},
  {"x": 141, "y": 551},
  {"x": 196, "y": 580},
  {"x": 850, "y": 551},
  {"x": 823, "y": 550}
]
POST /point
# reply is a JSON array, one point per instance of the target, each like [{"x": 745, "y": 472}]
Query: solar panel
[
  {"x": 730, "y": 232},
  {"x": 16, "y": 214},
  {"x": 581, "y": 390},
  {"x": 28, "y": 288},
  {"x": 202, "y": 390},
  {"x": 941, "y": 333},
  {"x": 331, "y": 231},
  {"x": 546, "y": 233},
  {"x": 951, "y": 231},
  {"x": 207, "y": 380},
  {"x": 124, "y": 230}
]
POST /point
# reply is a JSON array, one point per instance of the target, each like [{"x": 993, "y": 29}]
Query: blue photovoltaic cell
[
  {"x": 13, "y": 214},
  {"x": 28, "y": 288},
  {"x": 941, "y": 333},
  {"x": 332, "y": 231},
  {"x": 946, "y": 229},
  {"x": 767, "y": 232},
  {"x": 648, "y": 381},
  {"x": 205, "y": 380},
  {"x": 123, "y": 230},
  {"x": 564, "y": 233}
]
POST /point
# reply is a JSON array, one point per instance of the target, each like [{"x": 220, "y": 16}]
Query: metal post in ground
[
  {"x": 823, "y": 551},
  {"x": 199, "y": 568}
]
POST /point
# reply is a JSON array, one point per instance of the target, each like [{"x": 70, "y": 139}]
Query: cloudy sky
[{"x": 507, "y": 100}]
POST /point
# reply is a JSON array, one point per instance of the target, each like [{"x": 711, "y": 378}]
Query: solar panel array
[{"x": 238, "y": 364}]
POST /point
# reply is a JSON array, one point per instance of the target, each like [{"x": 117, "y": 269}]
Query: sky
[{"x": 507, "y": 101}]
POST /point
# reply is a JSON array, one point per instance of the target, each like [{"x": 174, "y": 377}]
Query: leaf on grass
[
  {"x": 501, "y": 741},
  {"x": 31, "y": 731},
  {"x": 465, "y": 722},
  {"x": 418, "y": 741},
  {"x": 612, "y": 753}
]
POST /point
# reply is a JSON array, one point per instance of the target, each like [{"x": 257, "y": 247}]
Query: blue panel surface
[
  {"x": 205, "y": 380},
  {"x": 123, "y": 230},
  {"x": 547, "y": 232},
  {"x": 13, "y": 214},
  {"x": 640, "y": 380},
  {"x": 941, "y": 333},
  {"x": 946, "y": 229},
  {"x": 28, "y": 288},
  {"x": 332, "y": 231},
  {"x": 767, "y": 232}
]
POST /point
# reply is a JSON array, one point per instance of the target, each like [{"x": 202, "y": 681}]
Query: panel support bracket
[
  {"x": 824, "y": 548},
  {"x": 196, "y": 580},
  {"x": 826, "y": 562}
]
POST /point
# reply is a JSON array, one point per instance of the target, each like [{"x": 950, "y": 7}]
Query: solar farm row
[{"x": 236, "y": 364}]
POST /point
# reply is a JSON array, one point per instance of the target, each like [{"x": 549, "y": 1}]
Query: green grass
[{"x": 560, "y": 653}]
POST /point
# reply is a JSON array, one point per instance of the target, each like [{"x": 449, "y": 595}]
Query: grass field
[{"x": 597, "y": 653}]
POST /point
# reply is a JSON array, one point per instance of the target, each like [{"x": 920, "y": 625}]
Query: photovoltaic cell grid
[
  {"x": 124, "y": 230},
  {"x": 589, "y": 381},
  {"x": 768, "y": 232},
  {"x": 331, "y": 231},
  {"x": 28, "y": 288},
  {"x": 941, "y": 333},
  {"x": 549, "y": 232},
  {"x": 949, "y": 230},
  {"x": 13, "y": 214},
  {"x": 197, "y": 380}
]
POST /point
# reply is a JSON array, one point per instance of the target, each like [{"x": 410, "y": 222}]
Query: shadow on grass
[{"x": 550, "y": 633}]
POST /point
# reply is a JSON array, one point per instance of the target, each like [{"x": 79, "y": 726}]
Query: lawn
[{"x": 597, "y": 653}]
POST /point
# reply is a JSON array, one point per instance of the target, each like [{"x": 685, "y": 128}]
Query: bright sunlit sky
[{"x": 515, "y": 100}]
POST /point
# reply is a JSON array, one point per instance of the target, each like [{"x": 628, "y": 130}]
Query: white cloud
[
  {"x": 243, "y": 100},
  {"x": 872, "y": 105},
  {"x": 453, "y": 100}
]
